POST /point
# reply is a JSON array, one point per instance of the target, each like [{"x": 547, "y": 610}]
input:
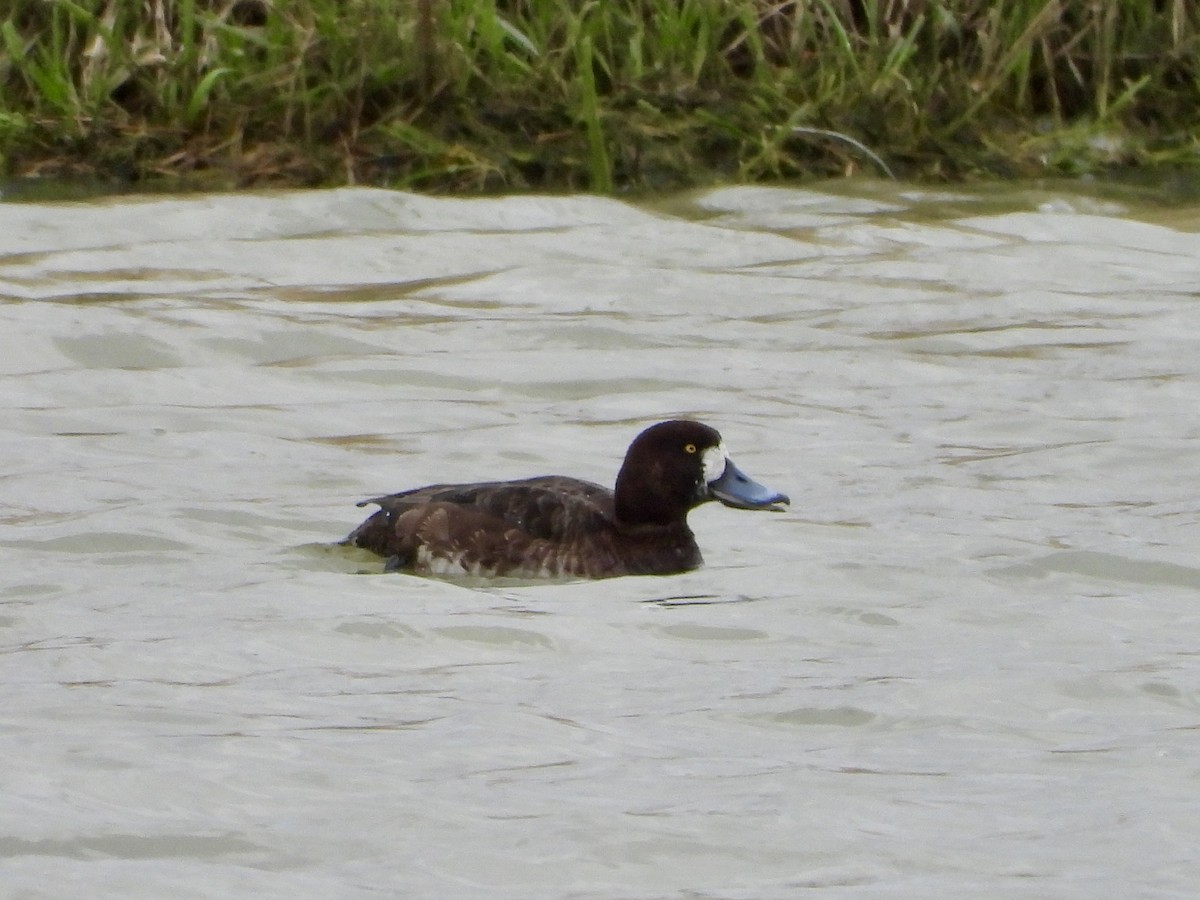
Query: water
[{"x": 965, "y": 663}]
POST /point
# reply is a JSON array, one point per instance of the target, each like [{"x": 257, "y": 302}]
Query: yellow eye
[{"x": 689, "y": 448}]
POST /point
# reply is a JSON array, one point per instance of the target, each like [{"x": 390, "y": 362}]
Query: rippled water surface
[{"x": 965, "y": 663}]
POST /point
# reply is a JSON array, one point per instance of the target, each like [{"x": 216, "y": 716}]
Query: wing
[{"x": 550, "y": 507}]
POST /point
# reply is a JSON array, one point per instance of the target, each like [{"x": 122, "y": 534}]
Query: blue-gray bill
[{"x": 735, "y": 488}]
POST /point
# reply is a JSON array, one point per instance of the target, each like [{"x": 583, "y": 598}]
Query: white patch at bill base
[{"x": 715, "y": 459}]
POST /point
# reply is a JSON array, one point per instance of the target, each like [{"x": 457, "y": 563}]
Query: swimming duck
[{"x": 554, "y": 526}]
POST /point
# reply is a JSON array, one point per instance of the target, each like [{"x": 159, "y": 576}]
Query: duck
[{"x": 553, "y": 526}]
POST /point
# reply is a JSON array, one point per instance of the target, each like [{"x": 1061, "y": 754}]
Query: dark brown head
[{"x": 673, "y": 467}]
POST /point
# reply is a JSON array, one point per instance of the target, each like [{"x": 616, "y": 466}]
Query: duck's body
[
  {"x": 537, "y": 528},
  {"x": 553, "y": 526}
]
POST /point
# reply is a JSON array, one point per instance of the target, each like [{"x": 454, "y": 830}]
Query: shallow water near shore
[{"x": 966, "y": 662}]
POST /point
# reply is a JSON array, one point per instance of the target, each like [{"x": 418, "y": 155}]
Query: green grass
[{"x": 600, "y": 95}]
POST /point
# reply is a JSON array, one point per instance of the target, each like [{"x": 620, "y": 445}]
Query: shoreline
[{"x": 484, "y": 97}]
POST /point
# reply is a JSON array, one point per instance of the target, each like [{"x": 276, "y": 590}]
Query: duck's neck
[{"x": 638, "y": 502}]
